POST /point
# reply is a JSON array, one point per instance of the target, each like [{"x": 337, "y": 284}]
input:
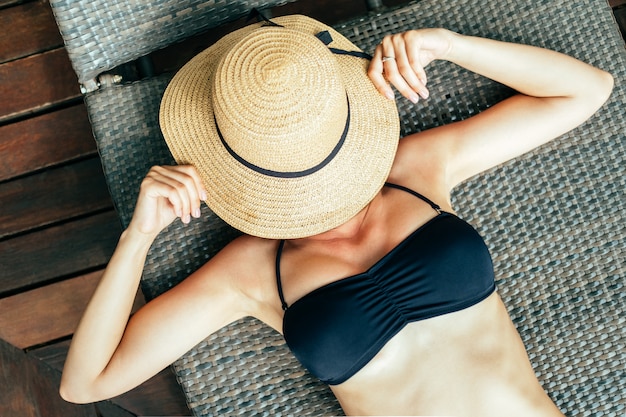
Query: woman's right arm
[{"x": 111, "y": 354}]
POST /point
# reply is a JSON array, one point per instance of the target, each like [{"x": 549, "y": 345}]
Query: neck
[{"x": 353, "y": 229}]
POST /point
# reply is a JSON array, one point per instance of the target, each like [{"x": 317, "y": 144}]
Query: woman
[{"x": 351, "y": 248}]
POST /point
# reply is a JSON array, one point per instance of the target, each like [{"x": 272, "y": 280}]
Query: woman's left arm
[{"x": 556, "y": 94}]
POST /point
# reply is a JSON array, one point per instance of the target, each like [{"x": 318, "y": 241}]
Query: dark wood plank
[
  {"x": 44, "y": 141},
  {"x": 27, "y": 29},
  {"x": 53, "y": 354},
  {"x": 108, "y": 409},
  {"x": 49, "y": 313},
  {"x": 9, "y": 3},
  {"x": 160, "y": 395},
  {"x": 36, "y": 258},
  {"x": 396, "y": 3},
  {"x": 52, "y": 196},
  {"x": 30, "y": 388},
  {"x": 36, "y": 82}
]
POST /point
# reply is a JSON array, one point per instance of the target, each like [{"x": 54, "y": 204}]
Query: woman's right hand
[{"x": 167, "y": 193}]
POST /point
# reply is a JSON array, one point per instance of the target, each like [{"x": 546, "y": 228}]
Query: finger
[
  {"x": 189, "y": 192},
  {"x": 182, "y": 185},
  {"x": 155, "y": 188},
  {"x": 376, "y": 74},
  {"x": 404, "y": 73},
  {"x": 414, "y": 61},
  {"x": 409, "y": 68},
  {"x": 175, "y": 193},
  {"x": 193, "y": 173},
  {"x": 189, "y": 177},
  {"x": 392, "y": 70}
]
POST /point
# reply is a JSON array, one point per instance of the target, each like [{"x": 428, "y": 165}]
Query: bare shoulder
[
  {"x": 247, "y": 261},
  {"x": 421, "y": 163},
  {"x": 245, "y": 267}
]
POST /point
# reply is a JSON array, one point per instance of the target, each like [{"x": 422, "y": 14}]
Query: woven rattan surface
[
  {"x": 102, "y": 34},
  {"x": 553, "y": 219}
]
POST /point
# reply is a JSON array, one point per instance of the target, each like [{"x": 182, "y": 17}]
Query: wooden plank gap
[
  {"x": 53, "y": 196},
  {"x": 36, "y": 82},
  {"x": 45, "y": 109},
  {"x": 47, "y": 343},
  {"x": 34, "y": 143},
  {"x": 36, "y": 317},
  {"x": 47, "y": 313},
  {"x": 57, "y": 224},
  {"x": 28, "y": 29},
  {"x": 5, "y": 4},
  {"x": 36, "y": 259}
]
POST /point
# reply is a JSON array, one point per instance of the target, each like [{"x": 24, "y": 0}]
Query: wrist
[
  {"x": 452, "y": 41},
  {"x": 136, "y": 238}
]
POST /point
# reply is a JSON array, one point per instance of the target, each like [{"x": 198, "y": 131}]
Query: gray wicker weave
[
  {"x": 553, "y": 219},
  {"x": 100, "y": 34}
]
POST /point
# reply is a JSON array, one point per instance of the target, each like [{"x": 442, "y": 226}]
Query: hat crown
[
  {"x": 279, "y": 100},
  {"x": 258, "y": 96}
]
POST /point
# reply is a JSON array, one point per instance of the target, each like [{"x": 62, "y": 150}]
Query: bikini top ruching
[{"x": 442, "y": 267}]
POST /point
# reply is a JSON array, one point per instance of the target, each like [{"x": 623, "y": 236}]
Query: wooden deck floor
[{"x": 57, "y": 223}]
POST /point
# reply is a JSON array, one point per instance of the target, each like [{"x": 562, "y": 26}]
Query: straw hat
[{"x": 290, "y": 139}]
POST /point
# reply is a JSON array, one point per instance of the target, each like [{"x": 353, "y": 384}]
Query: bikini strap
[
  {"x": 434, "y": 205},
  {"x": 278, "y": 279}
]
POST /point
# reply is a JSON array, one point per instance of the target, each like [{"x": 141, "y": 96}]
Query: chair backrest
[{"x": 101, "y": 34}]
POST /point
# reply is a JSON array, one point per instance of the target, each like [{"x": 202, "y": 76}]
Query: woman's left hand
[{"x": 400, "y": 59}]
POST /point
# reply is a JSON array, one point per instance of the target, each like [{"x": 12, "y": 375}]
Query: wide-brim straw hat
[{"x": 290, "y": 138}]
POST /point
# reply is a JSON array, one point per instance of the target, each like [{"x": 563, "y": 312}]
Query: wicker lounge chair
[{"x": 553, "y": 219}]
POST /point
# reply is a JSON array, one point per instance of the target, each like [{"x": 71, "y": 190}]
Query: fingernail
[
  {"x": 414, "y": 98},
  {"x": 424, "y": 93},
  {"x": 196, "y": 213},
  {"x": 390, "y": 95},
  {"x": 187, "y": 218}
]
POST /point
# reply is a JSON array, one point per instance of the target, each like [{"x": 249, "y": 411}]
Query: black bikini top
[{"x": 442, "y": 267}]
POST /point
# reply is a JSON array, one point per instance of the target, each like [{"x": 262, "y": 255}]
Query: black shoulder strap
[
  {"x": 278, "y": 279},
  {"x": 416, "y": 194}
]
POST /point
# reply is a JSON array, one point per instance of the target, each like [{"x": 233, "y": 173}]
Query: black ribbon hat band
[{"x": 289, "y": 174}]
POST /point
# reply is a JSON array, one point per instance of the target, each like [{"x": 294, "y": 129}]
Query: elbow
[
  {"x": 67, "y": 394},
  {"x": 75, "y": 393},
  {"x": 71, "y": 396},
  {"x": 609, "y": 83},
  {"x": 603, "y": 87},
  {"x": 597, "y": 91}
]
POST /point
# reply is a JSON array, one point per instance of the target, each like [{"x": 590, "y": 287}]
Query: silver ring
[{"x": 388, "y": 58}]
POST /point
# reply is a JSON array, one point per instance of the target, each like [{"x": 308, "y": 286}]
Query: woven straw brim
[{"x": 267, "y": 206}]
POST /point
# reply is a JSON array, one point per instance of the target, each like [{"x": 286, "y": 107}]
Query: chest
[{"x": 305, "y": 269}]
